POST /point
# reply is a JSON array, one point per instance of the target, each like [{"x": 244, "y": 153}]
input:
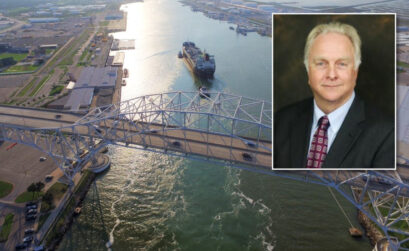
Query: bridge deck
[{"x": 147, "y": 135}]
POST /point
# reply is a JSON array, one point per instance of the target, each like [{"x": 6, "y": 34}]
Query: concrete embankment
[
  {"x": 66, "y": 216},
  {"x": 372, "y": 232}
]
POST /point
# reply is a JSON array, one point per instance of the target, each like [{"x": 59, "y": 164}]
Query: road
[{"x": 148, "y": 135}]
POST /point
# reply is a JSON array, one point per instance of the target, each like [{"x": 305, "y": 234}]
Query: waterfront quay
[{"x": 247, "y": 16}]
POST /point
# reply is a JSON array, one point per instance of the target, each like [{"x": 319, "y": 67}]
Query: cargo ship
[{"x": 201, "y": 63}]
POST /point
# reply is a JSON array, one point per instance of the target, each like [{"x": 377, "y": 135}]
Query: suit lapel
[
  {"x": 300, "y": 135},
  {"x": 346, "y": 136}
]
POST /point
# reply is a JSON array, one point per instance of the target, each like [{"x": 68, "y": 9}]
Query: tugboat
[
  {"x": 203, "y": 92},
  {"x": 355, "y": 232},
  {"x": 180, "y": 55},
  {"x": 77, "y": 210},
  {"x": 123, "y": 82},
  {"x": 126, "y": 74},
  {"x": 201, "y": 63}
]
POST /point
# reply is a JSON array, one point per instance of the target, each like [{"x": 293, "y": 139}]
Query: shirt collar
[{"x": 336, "y": 117}]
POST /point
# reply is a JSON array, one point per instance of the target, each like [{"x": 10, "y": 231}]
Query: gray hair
[{"x": 336, "y": 27}]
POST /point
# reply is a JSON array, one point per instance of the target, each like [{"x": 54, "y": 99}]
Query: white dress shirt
[{"x": 336, "y": 118}]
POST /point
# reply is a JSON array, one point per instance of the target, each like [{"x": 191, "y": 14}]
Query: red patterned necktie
[{"x": 319, "y": 144}]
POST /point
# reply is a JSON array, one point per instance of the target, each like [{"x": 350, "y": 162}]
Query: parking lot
[{"x": 21, "y": 166}]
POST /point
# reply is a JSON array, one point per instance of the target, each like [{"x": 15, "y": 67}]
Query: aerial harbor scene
[{"x": 147, "y": 125}]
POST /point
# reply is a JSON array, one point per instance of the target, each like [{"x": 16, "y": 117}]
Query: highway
[
  {"x": 80, "y": 134},
  {"x": 203, "y": 144},
  {"x": 186, "y": 141}
]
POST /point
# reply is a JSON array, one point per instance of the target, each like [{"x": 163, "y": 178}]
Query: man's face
[{"x": 332, "y": 75}]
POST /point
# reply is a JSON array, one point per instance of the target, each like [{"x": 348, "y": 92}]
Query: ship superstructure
[{"x": 201, "y": 63}]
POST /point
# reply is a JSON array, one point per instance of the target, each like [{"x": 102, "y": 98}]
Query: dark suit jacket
[{"x": 365, "y": 139}]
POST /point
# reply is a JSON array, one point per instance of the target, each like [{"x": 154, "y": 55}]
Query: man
[{"x": 335, "y": 128}]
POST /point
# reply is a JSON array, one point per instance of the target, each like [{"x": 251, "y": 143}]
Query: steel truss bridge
[{"x": 216, "y": 127}]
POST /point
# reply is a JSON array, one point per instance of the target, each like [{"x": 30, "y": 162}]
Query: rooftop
[
  {"x": 90, "y": 79},
  {"x": 97, "y": 77}
]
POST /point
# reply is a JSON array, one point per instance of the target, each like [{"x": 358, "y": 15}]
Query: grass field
[
  {"x": 21, "y": 68},
  {"x": 49, "y": 51},
  {"x": 5, "y": 188},
  {"x": 104, "y": 23},
  {"x": 16, "y": 56},
  {"x": 40, "y": 85},
  {"x": 58, "y": 190},
  {"x": 28, "y": 196},
  {"x": 83, "y": 55},
  {"x": 27, "y": 87},
  {"x": 18, "y": 10},
  {"x": 403, "y": 64},
  {"x": 70, "y": 52},
  {"x": 6, "y": 228},
  {"x": 56, "y": 90}
]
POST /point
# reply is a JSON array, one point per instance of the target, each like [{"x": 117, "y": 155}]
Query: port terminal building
[
  {"x": 123, "y": 44},
  {"x": 118, "y": 59},
  {"x": 92, "y": 80}
]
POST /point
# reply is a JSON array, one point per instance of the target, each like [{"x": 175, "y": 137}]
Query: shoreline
[
  {"x": 373, "y": 234},
  {"x": 246, "y": 19},
  {"x": 58, "y": 231},
  {"x": 67, "y": 213}
]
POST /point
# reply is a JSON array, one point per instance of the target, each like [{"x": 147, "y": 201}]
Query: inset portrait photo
[{"x": 334, "y": 91}]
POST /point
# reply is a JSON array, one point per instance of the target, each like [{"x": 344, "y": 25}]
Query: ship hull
[
  {"x": 197, "y": 72},
  {"x": 201, "y": 66}
]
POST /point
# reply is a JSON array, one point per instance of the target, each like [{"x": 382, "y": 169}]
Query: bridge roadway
[
  {"x": 147, "y": 135},
  {"x": 191, "y": 142},
  {"x": 203, "y": 144}
]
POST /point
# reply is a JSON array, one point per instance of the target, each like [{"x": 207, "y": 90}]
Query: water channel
[{"x": 148, "y": 201}]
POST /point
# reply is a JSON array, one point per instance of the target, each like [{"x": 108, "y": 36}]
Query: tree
[
  {"x": 31, "y": 189},
  {"x": 39, "y": 186},
  {"x": 7, "y": 61},
  {"x": 48, "y": 197}
]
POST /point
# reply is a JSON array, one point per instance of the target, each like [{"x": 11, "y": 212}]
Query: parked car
[
  {"x": 154, "y": 131},
  {"x": 28, "y": 239},
  {"x": 31, "y": 203},
  {"x": 247, "y": 157},
  {"x": 97, "y": 128},
  {"x": 21, "y": 246},
  {"x": 39, "y": 248},
  {"x": 250, "y": 144},
  {"x": 43, "y": 159},
  {"x": 28, "y": 231},
  {"x": 32, "y": 207},
  {"x": 176, "y": 144},
  {"x": 48, "y": 178},
  {"x": 31, "y": 217},
  {"x": 31, "y": 211}
]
